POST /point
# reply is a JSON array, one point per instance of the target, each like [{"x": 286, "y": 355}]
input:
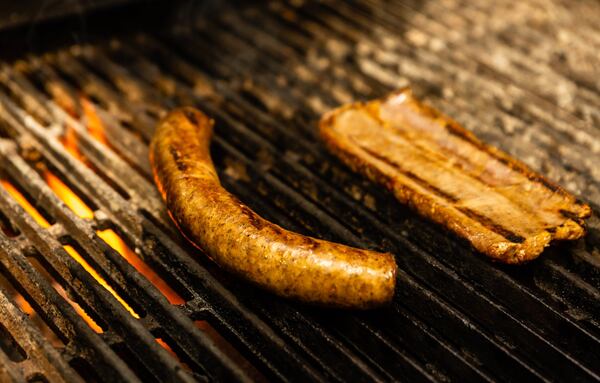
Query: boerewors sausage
[{"x": 240, "y": 241}]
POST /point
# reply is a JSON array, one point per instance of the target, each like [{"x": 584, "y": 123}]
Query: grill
[{"x": 97, "y": 285}]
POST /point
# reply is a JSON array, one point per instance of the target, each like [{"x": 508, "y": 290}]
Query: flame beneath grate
[
  {"x": 117, "y": 243},
  {"x": 20, "y": 198},
  {"x": 111, "y": 238},
  {"x": 23, "y": 304},
  {"x": 43, "y": 222},
  {"x": 87, "y": 319},
  {"x": 96, "y": 129},
  {"x": 93, "y": 122},
  {"x": 76, "y": 256},
  {"x": 170, "y": 350}
]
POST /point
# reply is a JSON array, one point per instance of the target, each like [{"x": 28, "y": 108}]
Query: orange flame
[
  {"x": 93, "y": 121},
  {"x": 69, "y": 141},
  {"x": 164, "y": 345},
  {"x": 20, "y": 198},
  {"x": 76, "y": 256},
  {"x": 117, "y": 243},
  {"x": 95, "y": 127},
  {"x": 86, "y": 318},
  {"x": 23, "y": 304},
  {"x": 109, "y": 236},
  {"x": 69, "y": 198},
  {"x": 29, "y": 208}
]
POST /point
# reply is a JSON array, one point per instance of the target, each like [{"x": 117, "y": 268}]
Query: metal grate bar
[{"x": 266, "y": 73}]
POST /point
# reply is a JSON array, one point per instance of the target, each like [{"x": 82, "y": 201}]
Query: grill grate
[{"x": 85, "y": 114}]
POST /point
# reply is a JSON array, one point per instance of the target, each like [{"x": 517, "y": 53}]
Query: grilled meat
[
  {"x": 504, "y": 209},
  {"x": 236, "y": 238}
]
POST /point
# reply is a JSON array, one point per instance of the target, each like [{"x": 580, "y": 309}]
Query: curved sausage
[{"x": 235, "y": 237}]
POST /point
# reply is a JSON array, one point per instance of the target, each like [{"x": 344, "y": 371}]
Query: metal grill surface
[{"x": 84, "y": 114}]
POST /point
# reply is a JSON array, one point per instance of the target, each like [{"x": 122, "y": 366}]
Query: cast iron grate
[{"x": 75, "y": 123}]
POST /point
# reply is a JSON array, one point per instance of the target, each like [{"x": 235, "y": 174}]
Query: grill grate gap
[
  {"x": 127, "y": 355},
  {"x": 37, "y": 377},
  {"x": 7, "y": 227},
  {"x": 29, "y": 204},
  {"x": 85, "y": 370},
  {"x": 166, "y": 343},
  {"x": 28, "y": 306},
  {"x": 76, "y": 251},
  {"x": 91, "y": 318},
  {"x": 70, "y": 142},
  {"x": 67, "y": 191},
  {"x": 227, "y": 348},
  {"x": 8, "y": 344},
  {"x": 113, "y": 239}
]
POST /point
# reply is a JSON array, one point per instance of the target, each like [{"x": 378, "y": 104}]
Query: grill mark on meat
[
  {"x": 432, "y": 188},
  {"x": 457, "y": 130},
  {"x": 493, "y": 226},
  {"x": 253, "y": 218},
  {"x": 461, "y": 133},
  {"x": 485, "y": 221},
  {"x": 570, "y": 215},
  {"x": 443, "y": 154},
  {"x": 177, "y": 158},
  {"x": 191, "y": 117},
  {"x": 505, "y": 210}
]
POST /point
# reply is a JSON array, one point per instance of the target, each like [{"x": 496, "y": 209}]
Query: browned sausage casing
[{"x": 236, "y": 238}]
